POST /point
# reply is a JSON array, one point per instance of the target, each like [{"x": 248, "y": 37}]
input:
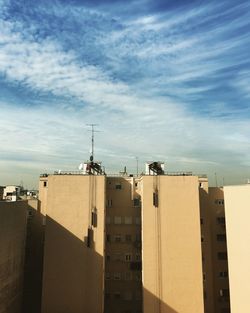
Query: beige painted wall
[
  {"x": 73, "y": 273},
  {"x": 171, "y": 246},
  {"x": 12, "y": 248},
  {"x": 237, "y": 209}
]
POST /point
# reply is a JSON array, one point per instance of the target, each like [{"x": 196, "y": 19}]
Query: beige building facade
[{"x": 237, "y": 205}]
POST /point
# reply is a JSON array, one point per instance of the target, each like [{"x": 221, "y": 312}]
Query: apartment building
[
  {"x": 214, "y": 249},
  {"x": 237, "y": 204},
  {"x": 121, "y": 244}
]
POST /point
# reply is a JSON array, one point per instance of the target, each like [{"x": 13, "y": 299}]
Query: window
[
  {"x": 201, "y": 220},
  {"x": 137, "y": 220},
  {"x": 118, "y": 186},
  {"x": 202, "y": 239},
  {"x": 108, "y": 257},
  {"x": 219, "y": 201},
  {"x": 138, "y": 276},
  {"x": 204, "y": 276},
  {"x": 109, "y": 203},
  {"x": 138, "y": 257},
  {"x": 136, "y": 202},
  {"x": 128, "y": 296},
  {"x": 128, "y": 238},
  {"x": 107, "y": 276},
  {"x": 155, "y": 199},
  {"x": 223, "y": 274},
  {"x": 117, "y": 257},
  {"x": 221, "y": 237},
  {"x": 221, "y": 220},
  {"x": 117, "y": 276},
  {"x": 94, "y": 219},
  {"x": 128, "y": 220},
  {"x": 44, "y": 184},
  {"x": 128, "y": 276},
  {"x": 118, "y": 238},
  {"x": 118, "y": 220},
  {"x": 222, "y": 255},
  {"x": 224, "y": 293},
  {"x": 128, "y": 257},
  {"x": 108, "y": 220},
  {"x": 108, "y": 238}
]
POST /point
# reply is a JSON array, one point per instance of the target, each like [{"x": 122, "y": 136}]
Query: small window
[
  {"x": 204, "y": 277},
  {"x": 202, "y": 239},
  {"x": 108, "y": 257},
  {"x": 128, "y": 238},
  {"x": 221, "y": 220},
  {"x": 222, "y": 255},
  {"x": 221, "y": 237},
  {"x": 109, "y": 203},
  {"x": 118, "y": 186},
  {"x": 128, "y": 296},
  {"x": 138, "y": 257},
  {"x": 44, "y": 184},
  {"x": 219, "y": 201},
  {"x": 138, "y": 276},
  {"x": 118, "y": 220},
  {"x": 107, "y": 276},
  {"x": 108, "y": 238},
  {"x": 118, "y": 238},
  {"x": 128, "y": 276},
  {"x": 223, "y": 274},
  {"x": 137, "y": 220},
  {"x": 128, "y": 220},
  {"x": 155, "y": 199},
  {"x": 117, "y": 257},
  {"x": 136, "y": 202},
  {"x": 128, "y": 257},
  {"x": 201, "y": 221},
  {"x": 117, "y": 276}
]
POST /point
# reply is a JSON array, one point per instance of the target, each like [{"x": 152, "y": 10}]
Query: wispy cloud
[{"x": 159, "y": 83}]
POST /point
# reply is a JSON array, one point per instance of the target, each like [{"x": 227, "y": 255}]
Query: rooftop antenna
[
  {"x": 136, "y": 165},
  {"x": 93, "y": 131}
]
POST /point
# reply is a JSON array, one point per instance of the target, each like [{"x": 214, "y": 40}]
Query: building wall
[
  {"x": 123, "y": 288},
  {"x": 237, "y": 204},
  {"x": 171, "y": 245},
  {"x": 73, "y": 271},
  {"x": 12, "y": 248}
]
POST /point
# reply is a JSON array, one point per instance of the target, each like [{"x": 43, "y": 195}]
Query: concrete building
[
  {"x": 11, "y": 193},
  {"x": 93, "y": 245},
  {"x": 13, "y": 219},
  {"x": 214, "y": 249},
  {"x": 73, "y": 272},
  {"x": 237, "y": 204}
]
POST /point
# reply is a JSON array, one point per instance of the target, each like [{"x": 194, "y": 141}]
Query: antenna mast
[{"x": 93, "y": 131}]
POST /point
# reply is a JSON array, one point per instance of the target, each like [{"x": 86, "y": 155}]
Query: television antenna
[{"x": 93, "y": 131}]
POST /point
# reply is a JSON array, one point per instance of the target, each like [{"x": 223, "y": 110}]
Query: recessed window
[
  {"x": 128, "y": 257},
  {"x": 44, "y": 184},
  {"x": 201, "y": 221},
  {"x": 118, "y": 186},
  {"x": 138, "y": 257},
  {"x": 107, "y": 276},
  {"x": 109, "y": 203},
  {"x": 221, "y": 237},
  {"x": 222, "y": 255},
  {"x": 118, "y": 220},
  {"x": 223, "y": 274},
  {"x": 137, "y": 220},
  {"x": 128, "y": 220},
  {"x": 108, "y": 238},
  {"x": 136, "y": 202},
  {"x": 221, "y": 220},
  {"x": 118, "y": 238},
  {"x": 117, "y": 276},
  {"x": 219, "y": 201}
]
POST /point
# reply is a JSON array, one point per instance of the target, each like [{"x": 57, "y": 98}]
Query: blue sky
[{"x": 165, "y": 80}]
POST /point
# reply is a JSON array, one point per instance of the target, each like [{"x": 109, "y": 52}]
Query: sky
[{"x": 164, "y": 80}]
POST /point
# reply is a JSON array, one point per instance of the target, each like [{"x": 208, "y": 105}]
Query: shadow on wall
[
  {"x": 153, "y": 304},
  {"x": 72, "y": 277},
  {"x": 33, "y": 265}
]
